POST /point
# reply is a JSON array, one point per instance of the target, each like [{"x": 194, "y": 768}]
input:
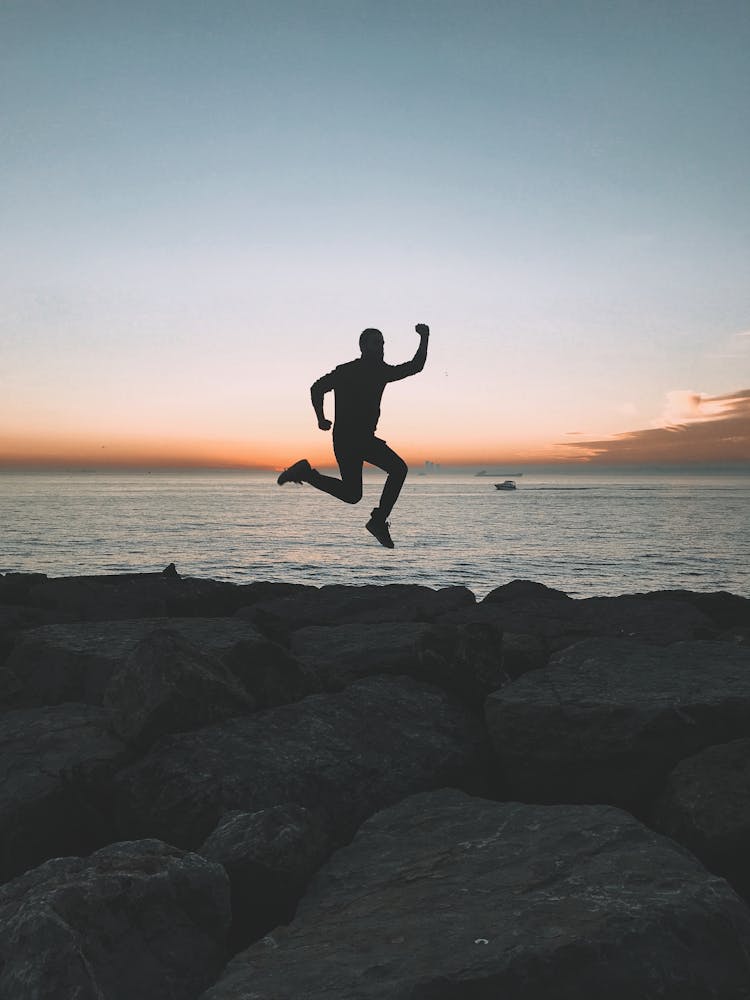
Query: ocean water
[{"x": 585, "y": 534}]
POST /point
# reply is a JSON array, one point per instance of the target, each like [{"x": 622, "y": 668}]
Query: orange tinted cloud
[{"x": 695, "y": 428}]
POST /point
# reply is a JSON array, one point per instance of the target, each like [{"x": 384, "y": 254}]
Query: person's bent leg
[
  {"x": 378, "y": 453},
  {"x": 349, "y": 487}
]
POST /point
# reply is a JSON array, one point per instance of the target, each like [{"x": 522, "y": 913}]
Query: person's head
[{"x": 371, "y": 343}]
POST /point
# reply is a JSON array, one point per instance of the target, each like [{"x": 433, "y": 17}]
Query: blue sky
[{"x": 203, "y": 204}]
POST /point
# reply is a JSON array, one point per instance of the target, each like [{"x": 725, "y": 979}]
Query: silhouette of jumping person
[{"x": 358, "y": 388}]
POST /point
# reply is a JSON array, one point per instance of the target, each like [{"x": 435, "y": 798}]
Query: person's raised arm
[
  {"x": 417, "y": 363},
  {"x": 317, "y": 391}
]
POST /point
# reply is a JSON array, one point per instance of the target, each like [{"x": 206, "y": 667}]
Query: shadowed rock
[
  {"x": 445, "y": 896},
  {"x": 608, "y": 719},
  {"x": 60, "y": 663},
  {"x": 706, "y": 806},
  {"x": 56, "y": 770},
  {"x": 463, "y": 660},
  {"x": 531, "y": 609},
  {"x": 135, "y": 920},
  {"x": 122, "y": 596},
  {"x": 269, "y": 857},
  {"x": 168, "y": 686},
  {"x": 341, "y": 605},
  {"x": 341, "y": 755}
]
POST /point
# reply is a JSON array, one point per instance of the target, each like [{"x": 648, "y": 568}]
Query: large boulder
[
  {"x": 123, "y": 596},
  {"x": 344, "y": 605},
  {"x": 56, "y": 771},
  {"x": 60, "y": 663},
  {"x": 269, "y": 856},
  {"x": 725, "y": 610},
  {"x": 133, "y": 920},
  {"x": 445, "y": 896},
  {"x": 168, "y": 685},
  {"x": 706, "y": 806},
  {"x": 465, "y": 660},
  {"x": 531, "y": 609},
  {"x": 609, "y": 718},
  {"x": 342, "y": 755}
]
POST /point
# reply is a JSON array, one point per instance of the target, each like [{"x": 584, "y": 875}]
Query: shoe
[
  {"x": 378, "y": 526},
  {"x": 296, "y": 473}
]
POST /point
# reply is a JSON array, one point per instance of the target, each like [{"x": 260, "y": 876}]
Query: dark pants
[{"x": 351, "y": 455}]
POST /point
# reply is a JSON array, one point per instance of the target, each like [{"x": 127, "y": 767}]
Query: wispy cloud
[{"x": 692, "y": 428}]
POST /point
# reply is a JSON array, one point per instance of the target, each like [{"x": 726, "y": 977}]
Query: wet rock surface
[
  {"x": 446, "y": 896},
  {"x": 133, "y": 920}
]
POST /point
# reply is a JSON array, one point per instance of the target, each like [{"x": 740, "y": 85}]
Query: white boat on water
[{"x": 509, "y": 484}]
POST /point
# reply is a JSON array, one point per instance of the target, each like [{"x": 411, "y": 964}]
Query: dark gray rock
[
  {"x": 706, "y": 806},
  {"x": 168, "y": 685},
  {"x": 342, "y": 605},
  {"x": 522, "y": 653},
  {"x": 464, "y": 660},
  {"x": 124, "y": 596},
  {"x": 725, "y": 610},
  {"x": 608, "y": 719},
  {"x": 341, "y": 755},
  {"x": 139, "y": 920},
  {"x": 444, "y": 896},
  {"x": 56, "y": 770},
  {"x": 561, "y": 621},
  {"x": 269, "y": 856},
  {"x": 60, "y": 663}
]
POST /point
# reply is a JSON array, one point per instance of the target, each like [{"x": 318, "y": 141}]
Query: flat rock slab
[
  {"x": 342, "y": 605},
  {"x": 465, "y": 660},
  {"x": 342, "y": 755},
  {"x": 562, "y": 621},
  {"x": 448, "y": 896},
  {"x": 60, "y": 663},
  {"x": 706, "y": 806},
  {"x": 608, "y": 719},
  {"x": 133, "y": 920},
  {"x": 56, "y": 770}
]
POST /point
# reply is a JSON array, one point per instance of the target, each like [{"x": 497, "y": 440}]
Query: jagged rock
[
  {"x": 342, "y": 755},
  {"x": 342, "y": 605},
  {"x": 561, "y": 621},
  {"x": 133, "y": 920},
  {"x": 124, "y": 596},
  {"x": 76, "y": 662},
  {"x": 269, "y": 857},
  {"x": 15, "y": 619},
  {"x": 462, "y": 659},
  {"x": 608, "y": 719},
  {"x": 706, "y": 806},
  {"x": 168, "y": 685},
  {"x": 445, "y": 896},
  {"x": 56, "y": 770}
]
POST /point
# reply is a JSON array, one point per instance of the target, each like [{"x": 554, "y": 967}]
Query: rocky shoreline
[{"x": 271, "y": 791}]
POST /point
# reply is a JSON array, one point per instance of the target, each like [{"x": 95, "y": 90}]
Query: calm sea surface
[{"x": 586, "y": 535}]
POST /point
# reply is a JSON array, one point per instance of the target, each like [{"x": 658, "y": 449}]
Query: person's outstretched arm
[
  {"x": 317, "y": 391},
  {"x": 396, "y": 372}
]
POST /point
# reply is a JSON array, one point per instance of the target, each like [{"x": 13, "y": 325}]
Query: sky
[{"x": 202, "y": 204}]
